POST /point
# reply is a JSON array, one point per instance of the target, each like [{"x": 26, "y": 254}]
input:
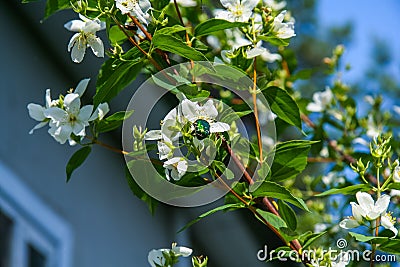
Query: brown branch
[
  {"x": 294, "y": 244},
  {"x": 254, "y": 94}
]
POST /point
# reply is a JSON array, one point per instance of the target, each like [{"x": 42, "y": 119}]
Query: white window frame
[{"x": 34, "y": 223}]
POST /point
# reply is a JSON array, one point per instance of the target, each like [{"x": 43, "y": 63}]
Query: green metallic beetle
[{"x": 201, "y": 129}]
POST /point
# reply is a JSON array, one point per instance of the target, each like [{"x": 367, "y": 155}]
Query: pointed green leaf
[
  {"x": 113, "y": 122},
  {"x": 174, "y": 45},
  {"x": 274, "y": 220},
  {"x": 348, "y": 190},
  {"x": 115, "y": 74},
  {"x": 53, "y": 6},
  {"x": 220, "y": 208},
  {"x": 290, "y": 159},
  {"x": 312, "y": 238},
  {"x": 76, "y": 160},
  {"x": 214, "y": 25},
  {"x": 274, "y": 190},
  {"x": 287, "y": 214},
  {"x": 138, "y": 192},
  {"x": 283, "y": 105},
  {"x": 391, "y": 246}
]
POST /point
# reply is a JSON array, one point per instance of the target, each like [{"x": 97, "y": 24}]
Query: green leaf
[
  {"x": 174, "y": 45},
  {"x": 274, "y": 220},
  {"x": 53, "y": 6},
  {"x": 113, "y": 122},
  {"x": 372, "y": 239},
  {"x": 116, "y": 35},
  {"x": 115, "y": 74},
  {"x": 138, "y": 192},
  {"x": 274, "y": 40},
  {"x": 348, "y": 190},
  {"x": 171, "y": 30},
  {"x": 214, "y": 25},
  {"x": 76, "y": 160},
  {"x": 287, "y": 214},
  {"x": 290, "y": 159},
  {"x": 391, "y": 246},
  {"x": 234, "y": 206},
  {"x": 283, "y": 105},
  {"x": 312, "y": 238},
  {"x": 274, "y": 190}
]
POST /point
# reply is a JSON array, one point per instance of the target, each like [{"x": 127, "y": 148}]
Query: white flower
[
  {"x": 283, "y": 30},
  {"x": 274, "y": 4},
  {"x": 343, "y": 259},
  {"x": 369, "y": 99},
  {"x": 71, "y": 120},
  {"x": 37, "y": 112},
  {"x": 321, "y": 100},
  {"x": 156, "y": 256},
  {"x": 265, "y": 54},
  {"x": 192, "y": 111},
  {"x": 237, "y": 10},
  {"x": 101, "y": 110},
  {"x": 373, "y": 130},
  {"x": 320, "y": 227},
  {"x": 396, "y": 109},
  {"x": 175, "y": 168},
  {"x": 137, "y": 8},
  {"x": 360, "y": 141},
  {"x": 186, "y": 3},
  {"x": 387, "y": 221},
  {"x": 366, "y": 208},
  {"x": 396, "y": 174},
  {"x": 85, "y": 37}
]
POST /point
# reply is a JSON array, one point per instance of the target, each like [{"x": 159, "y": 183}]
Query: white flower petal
[
  {"x": 56, "y": 114},
  {"x": 74, "y": 25},
  {"x": 219, "y": 127},
  {"x": 357, "y": 211},
  {"x": 96, "y": 44},
  {"x": 365, "y": 201},
  {"x": 189, "y": 110},
  {"x": 100, "y": 112},
  {"x": 78, "y": 128},
  {"x": 382, "y": 204},
  {"x": 81, "y": 87},
  {"x": 38, "y": 126},
  {"x": 78, "y": 50},
  {"x": 153, "y": 135},
  {"x": 349, "y": 223},
  {"x": 386, "y": 223},
  {"x": 36, "y": 112},
  {"x": 47, "y": 98},
  {"x": 182, "y": 251},
  {"x": 313, "y": 107},
  {"x": 72, "y": 103},
  {"x": 156, "y": 257},
  {"x": 84, "y": 113},
  {"x": 208, "y": 110}
]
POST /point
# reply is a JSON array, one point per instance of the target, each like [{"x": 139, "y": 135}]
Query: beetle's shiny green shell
[{"x": 201, "y": 129}]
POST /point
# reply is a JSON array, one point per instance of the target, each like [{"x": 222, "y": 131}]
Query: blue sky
[{"x": 370, "y": 19}]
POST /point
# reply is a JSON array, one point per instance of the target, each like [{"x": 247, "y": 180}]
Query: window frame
[{"x": 34, "y": 223}]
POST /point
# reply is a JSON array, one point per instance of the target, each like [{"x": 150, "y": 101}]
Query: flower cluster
[
  {"x": 66, "y": 118},
  {"x": 368, "y": 210},
  {"x": 243, "y": 11},
  {"x": 201, "y": 122}
]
